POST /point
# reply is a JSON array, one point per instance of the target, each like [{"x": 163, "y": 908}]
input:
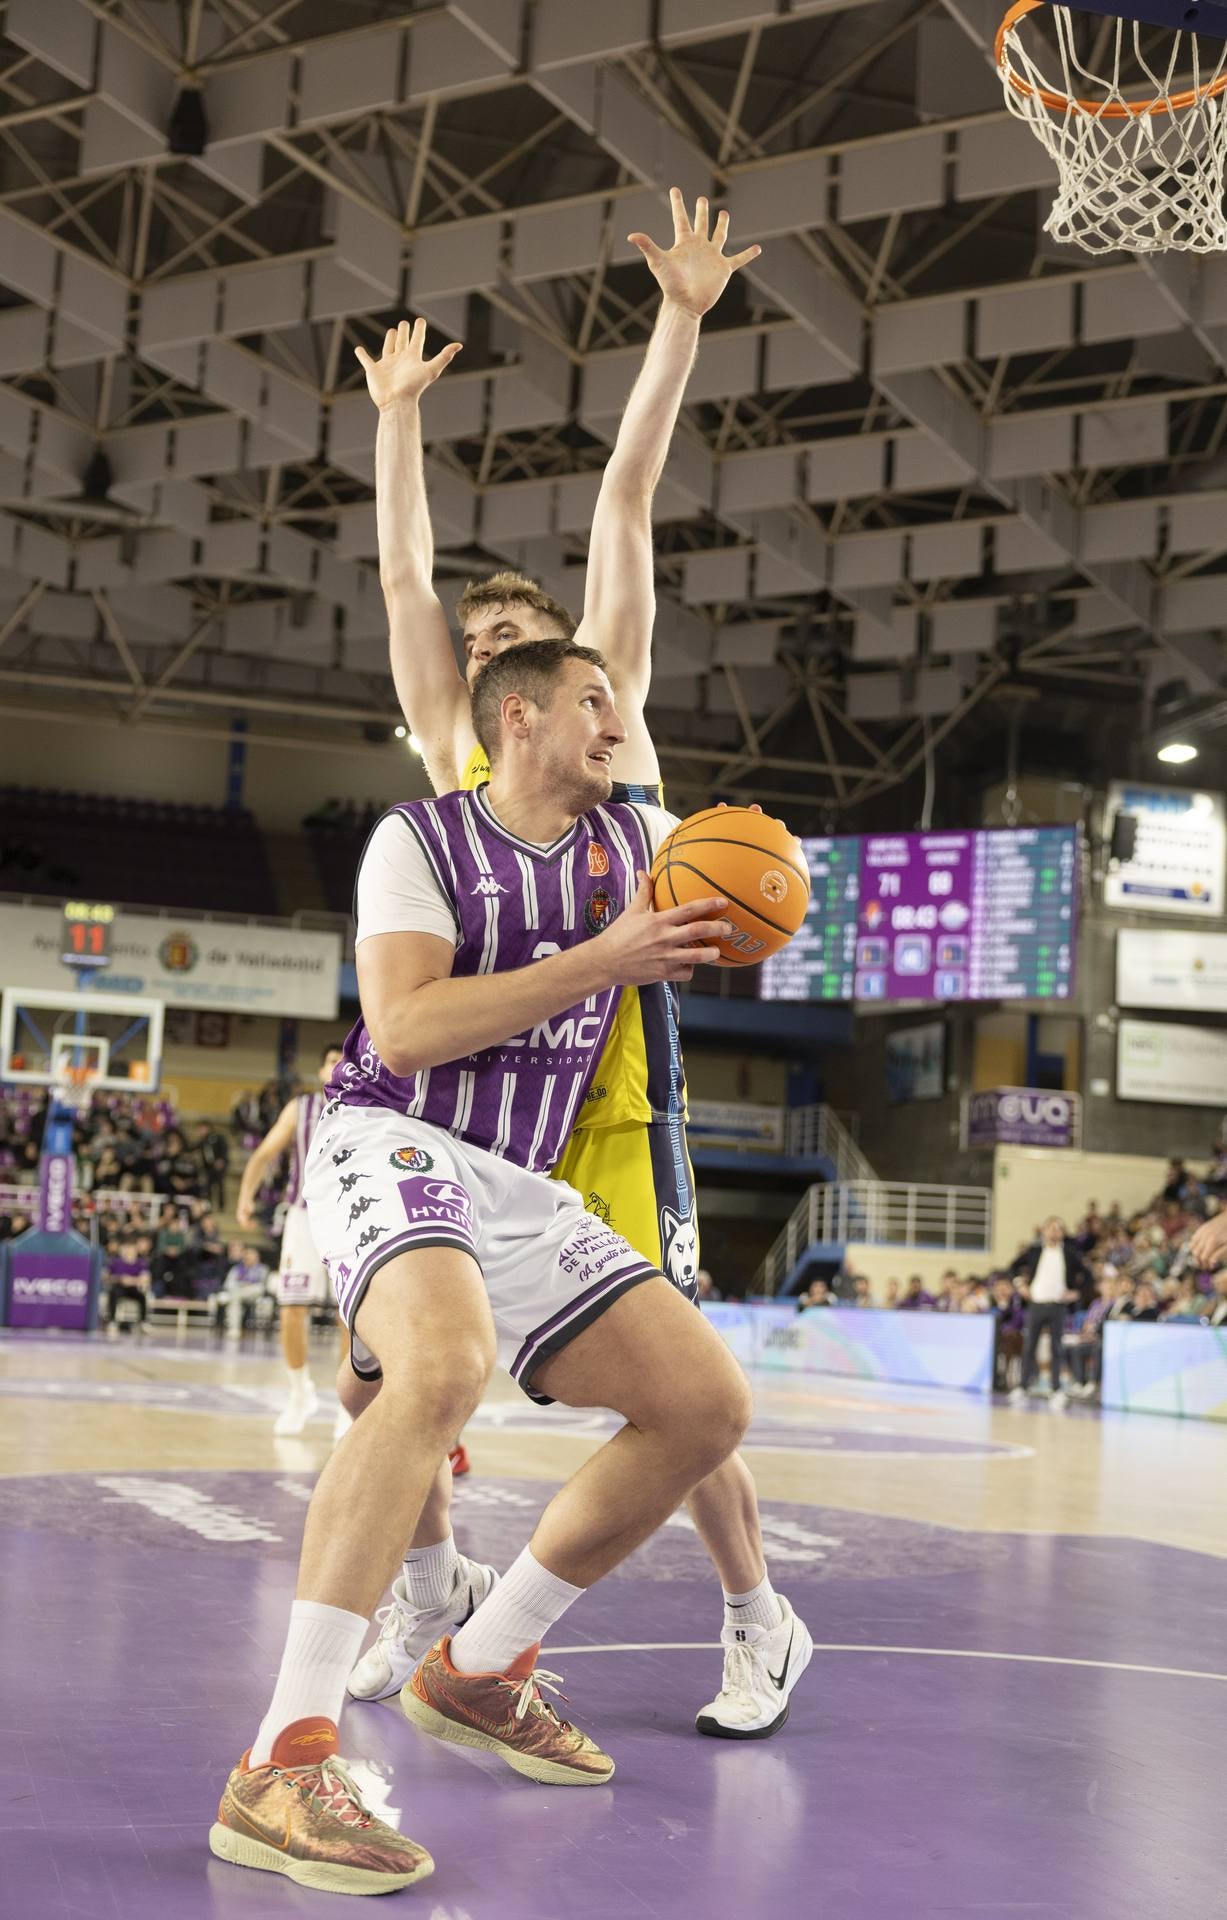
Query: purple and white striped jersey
[
  {"x": 511, "y": 903},
  {"x": 307, "y": 1110}
]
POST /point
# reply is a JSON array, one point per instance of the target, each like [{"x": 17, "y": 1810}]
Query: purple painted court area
[{"x": 144, "y": 1616}]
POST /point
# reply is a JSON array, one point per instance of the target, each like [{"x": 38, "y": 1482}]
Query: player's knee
[
  {"x": 441, "y": 1392},
  {"x": 354, "y": 1393},
  {"x": 714, "y": 1416}
]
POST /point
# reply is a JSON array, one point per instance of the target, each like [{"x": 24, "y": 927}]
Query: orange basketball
[{"x": 754, "y": 861}]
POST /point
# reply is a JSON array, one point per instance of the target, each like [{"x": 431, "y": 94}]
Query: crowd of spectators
[{"x": 1157, "y": 1265}]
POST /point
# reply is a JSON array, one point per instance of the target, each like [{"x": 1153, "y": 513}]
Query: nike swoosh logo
[{"x": 777, "y": 1680}]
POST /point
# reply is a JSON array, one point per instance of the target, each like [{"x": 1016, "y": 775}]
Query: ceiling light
[
  {"x": 1177, "y": 753},
  {"x": 401, "y": 732}
]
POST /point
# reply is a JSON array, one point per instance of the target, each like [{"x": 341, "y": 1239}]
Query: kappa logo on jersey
[
  {"x": 488, "y": 886},
  {"x": 598, "y": 862},
  {"x": 350, "y": 1180},
  {"x": 373, "y": 1232},
  {"x": 412, "y": 1160},
  {"x": 599, "y": 910},
  {"x": 346, "y": 1153},
  {"x": 360, "y": 1207}
]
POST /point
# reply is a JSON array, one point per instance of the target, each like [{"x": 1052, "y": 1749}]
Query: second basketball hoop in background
[{"x": 1128, "y": 96}]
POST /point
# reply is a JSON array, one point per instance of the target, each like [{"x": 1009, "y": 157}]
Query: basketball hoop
[
  {"x": 1141, "y": 160},
  {"x": 74, "y": 1087}
]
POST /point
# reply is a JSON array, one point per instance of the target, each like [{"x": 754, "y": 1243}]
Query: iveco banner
[{"x": 1023, "y": 1117}]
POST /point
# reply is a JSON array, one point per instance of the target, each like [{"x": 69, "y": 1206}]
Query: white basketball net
[
  {"x": 1148, "y": 181},
  {"x": 74, "y": 1088}
]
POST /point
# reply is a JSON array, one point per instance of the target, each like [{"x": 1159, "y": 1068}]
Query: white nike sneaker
[
  {"x": 296, "y": 1411},
  {"x": 761, "y": 1667},
  {"x": 405, "y": 1634},
  {"x": 1058, "y": 1401}
]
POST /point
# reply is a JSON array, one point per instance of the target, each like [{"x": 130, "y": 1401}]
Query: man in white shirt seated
[
  {"x": 1054, "y": 1275},
  {"x": 245, "y": 1282}
]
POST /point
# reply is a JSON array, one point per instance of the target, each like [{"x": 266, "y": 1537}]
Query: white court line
[{"x": 926, "y": 1653}]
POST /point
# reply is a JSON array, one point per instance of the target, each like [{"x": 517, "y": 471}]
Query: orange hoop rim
[
  {"x": 1061, "y": 102},
  {"x": 78, "y": 1077}
]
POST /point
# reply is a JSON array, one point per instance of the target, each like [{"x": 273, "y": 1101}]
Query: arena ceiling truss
[{"x": 932, "y": 469}]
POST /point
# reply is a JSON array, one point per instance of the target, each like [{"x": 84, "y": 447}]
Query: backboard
[
  {"x": 1182, "y": 16},
  {"x": 115, "y": 1035}
]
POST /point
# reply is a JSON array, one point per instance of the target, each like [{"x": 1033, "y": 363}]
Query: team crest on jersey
[
  {"x": 679, "y": 1240},
  {"x": 599, "y": 910},
  {"x": 598, "y": 862},
  {"x": 411, "y": 1160}
]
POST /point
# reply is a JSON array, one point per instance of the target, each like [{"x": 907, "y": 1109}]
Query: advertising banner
[
  {"x": 50, "y": 1289},
  {"x": 1178, "y": 1065},
  {"x": 1184, "y": 971},
  {"x": 55, "y": 1184},
  {"x": 185, "y": 962},
  {"x": 1023, "y": 1117},
  {"x": 911, "y": 1349},
  {"x": 1174, "y": 1369},
  {"x": 1178, "y": 860},
  {"x": 724, "y": 1123}
]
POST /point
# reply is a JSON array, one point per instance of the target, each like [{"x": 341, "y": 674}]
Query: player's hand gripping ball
[{"x": 749, "y": 858}]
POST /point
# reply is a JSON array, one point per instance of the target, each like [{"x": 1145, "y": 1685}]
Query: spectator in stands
[
  {"x": 915, "y": 1299},
  {"x": 170, "y": 1253},
  {"x": 817, "y": 1294},
  {"x": 946, "y": 1299},
  {"x": 209, "y": 1254},
  {"x": 974, "y": 1296},
  {"x": 1146, "y": 1302},
  {"x": 1011, "y": 1315},
  {"x": 1055, "y": 1277},
  {"x": 12, "y": 1224},
  {"x": 214, "y": 1150},
  {"x": 862, "y": 1292},
  {"x": 1178, "y": 1181},
  {"x": 705, "y": 1286},
  {"x": 892, "y": 1293},
  {"x": 245, "y": 1282},
  {"x": 127, "y": 1284}
]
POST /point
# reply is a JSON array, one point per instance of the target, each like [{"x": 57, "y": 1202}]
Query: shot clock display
[
  {"x": 974, "y": 915},
  {"x": 87, "y": 934}
]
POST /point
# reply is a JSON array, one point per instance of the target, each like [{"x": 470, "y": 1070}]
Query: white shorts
[
  {"x": 378, "y": 1185},
  {"x": 302, "y": 1280}
]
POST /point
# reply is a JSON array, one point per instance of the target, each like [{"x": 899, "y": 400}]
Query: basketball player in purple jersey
[
  {"x": 491, "y": 949},
  {"x": 301, "y": 1282},
  {"x": 626, "y": 1153}
]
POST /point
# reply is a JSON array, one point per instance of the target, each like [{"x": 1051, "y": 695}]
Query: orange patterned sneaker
[
  {"x": 506, "y": 1714},
  {"x": 302, "y": 1815},
  {"x": 458, "y": 1460}
]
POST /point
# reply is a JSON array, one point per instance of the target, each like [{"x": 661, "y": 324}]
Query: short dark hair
[
  {"x": 334, "y": 1046},
  {"x": 531, "y": 669}
]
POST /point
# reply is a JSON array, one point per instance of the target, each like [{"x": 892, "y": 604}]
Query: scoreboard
[
  {"x": 976, "y": 915},
  {"x": 87, "y": 928}
]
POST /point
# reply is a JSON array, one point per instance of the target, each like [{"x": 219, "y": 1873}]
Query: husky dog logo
[
  {"x": 598, "y": 862},
  {"x": 411, "y": 1160},
  {"x": 679, "y": 1239}
]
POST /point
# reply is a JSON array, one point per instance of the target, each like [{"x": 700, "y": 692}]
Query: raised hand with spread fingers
[
  {"x": 402, "y": 371},
  {"x": 695, "y": 270}
]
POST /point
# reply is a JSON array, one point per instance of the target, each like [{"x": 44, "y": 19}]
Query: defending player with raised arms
[{"x": 626, "y": 1150}]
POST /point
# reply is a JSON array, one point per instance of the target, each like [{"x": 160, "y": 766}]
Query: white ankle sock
[
  {"x": 758, "y": 1608},
  {"x": 320, "y": 1649},
  {"x": 520, "y": 1612},
  {"x": 301, "y": 1383},
  {"x": 430, "y": 1574}
]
